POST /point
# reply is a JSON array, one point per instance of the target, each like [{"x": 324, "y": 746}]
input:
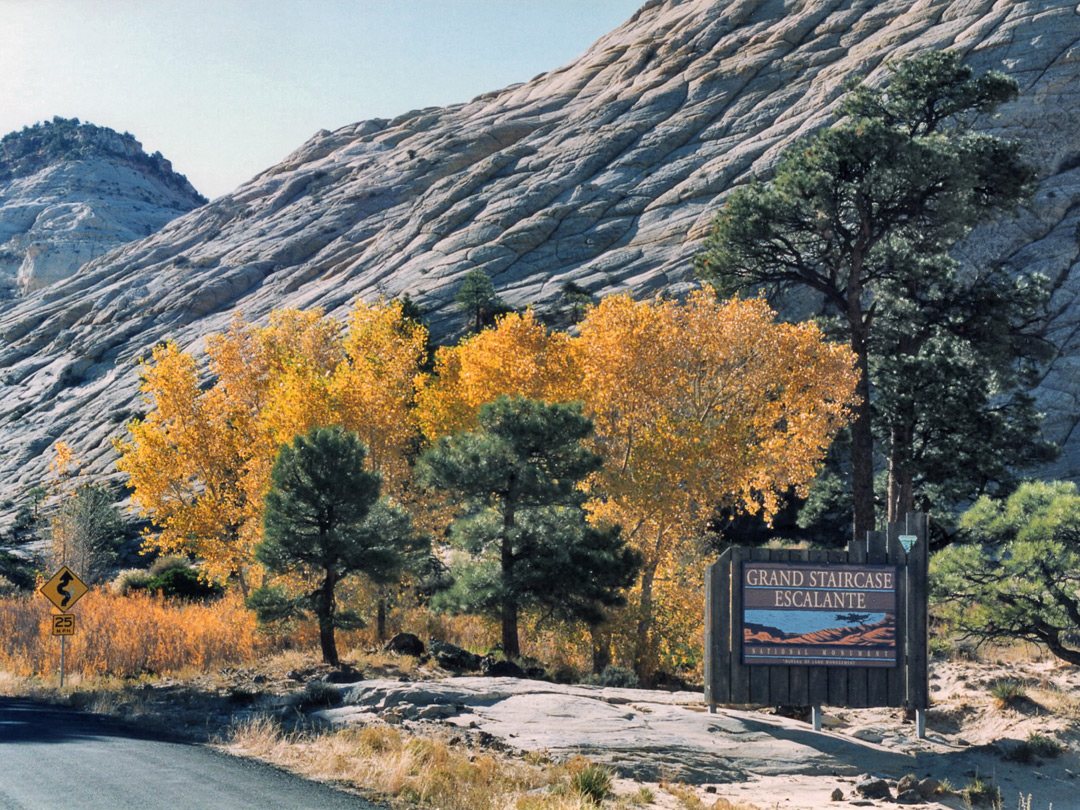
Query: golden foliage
[
  {"x": 698, "y": 405},
  {"x": 199, "y": 463},
  {"x": 706, "y": 403},
  {"x": 186, "y": 461},
  {"x": 64, "y": 462},
  {"x": 518, "y": 357},
  {"x": 375, "y": 390}
]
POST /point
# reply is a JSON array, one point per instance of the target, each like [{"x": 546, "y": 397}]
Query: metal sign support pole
[
  {"x": 908, "y": 541},
  {"x": 907, "y": 613},
  {"x": 63, "y": 645}
]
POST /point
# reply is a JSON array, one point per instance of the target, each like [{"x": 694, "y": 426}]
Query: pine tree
[
  {"x": 1017, "y": 576},
  {"x": 861, "y": 211},
  {"x": 324, "y": 521},
  {"x": 476, "y": 297},
  {"x": 524, "y": 534}
]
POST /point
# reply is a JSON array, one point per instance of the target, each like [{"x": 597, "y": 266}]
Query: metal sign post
[
  {"x": 63, "y": 590},
  {"x": 908, "y": 541}
]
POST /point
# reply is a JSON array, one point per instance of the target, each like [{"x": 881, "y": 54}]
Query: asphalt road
[{"x": 53, "y": 758}]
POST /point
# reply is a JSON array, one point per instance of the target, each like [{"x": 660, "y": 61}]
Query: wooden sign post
[{"x": 815, "y": 628}]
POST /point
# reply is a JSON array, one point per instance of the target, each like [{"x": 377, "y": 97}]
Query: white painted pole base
[
  {"x": 920, "y": 723},
  {"x": 815, "y": 717}
]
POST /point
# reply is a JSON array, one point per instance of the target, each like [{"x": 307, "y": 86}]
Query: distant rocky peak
[
  {"x": 37, "y": 147},
  {"x": 70, "y": 192}
]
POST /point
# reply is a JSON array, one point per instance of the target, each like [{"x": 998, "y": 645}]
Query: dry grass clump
[
  {"x": 1007, "y": 693},
  {"x": 385, "y": 762}
]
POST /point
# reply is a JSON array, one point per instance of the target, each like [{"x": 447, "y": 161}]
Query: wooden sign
[
  {"x": 818, "y": 615},
  {"x": 773, "y": 618}
]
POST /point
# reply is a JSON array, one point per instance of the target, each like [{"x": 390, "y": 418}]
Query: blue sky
[{"x": 227, "y": 88}]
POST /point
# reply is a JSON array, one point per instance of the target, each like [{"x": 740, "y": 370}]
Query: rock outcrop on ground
[
  {"x": 751, "y": 754},
  {"x": 70, "y": 192},
  {"x": 606, "y": 173}
]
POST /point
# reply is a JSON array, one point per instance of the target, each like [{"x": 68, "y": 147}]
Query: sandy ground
[{"x": 967, "y": 731}]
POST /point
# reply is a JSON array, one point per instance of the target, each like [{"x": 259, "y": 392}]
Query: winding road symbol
[
  {"x": 61, "y": 587},
  {"x": 64, "y": 589}
]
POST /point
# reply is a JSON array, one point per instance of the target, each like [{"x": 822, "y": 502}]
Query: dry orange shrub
[{"x": 127, "y": 636}]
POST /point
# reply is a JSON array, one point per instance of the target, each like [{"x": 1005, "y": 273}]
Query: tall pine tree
[
  {"x": 864, "y": 214},
  {"x": 524, "y": 537},
  {"x": 323, "y": 522}
]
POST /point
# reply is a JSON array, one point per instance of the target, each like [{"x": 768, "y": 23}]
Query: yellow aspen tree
[
  {"x": 200, "y": 461},
  {"x": 63, "y": 467},
  {"x": 270, "y": 383},
  {"x": 373, "y": 389},
  {"x": 517, "y": 357},
  {"x": 698, "y": 405},
  {"x": 374, "y": 394},
  {"x": 185, "y": 461},
  {"x": 64, "y": 463}
]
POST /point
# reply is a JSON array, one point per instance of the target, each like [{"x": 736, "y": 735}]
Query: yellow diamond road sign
[{"x": 64, "y": 589}]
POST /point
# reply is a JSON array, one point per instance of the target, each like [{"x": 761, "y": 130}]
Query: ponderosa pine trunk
[
  {"x": 901, "y": 485},
  {"x": 380, "y": 619},
  {"x": 862, "y": 434},
  {"x": 325, "y": 604},
  {"x": 601, "y": 648},
  {"x": 509, "y": 603},
  {"x": 510, "y": 628}
]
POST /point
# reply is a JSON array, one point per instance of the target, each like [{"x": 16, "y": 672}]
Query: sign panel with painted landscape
[{"x": 819, "y": 614}]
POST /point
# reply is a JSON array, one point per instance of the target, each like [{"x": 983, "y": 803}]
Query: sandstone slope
[{"x": 605, "y": 172}]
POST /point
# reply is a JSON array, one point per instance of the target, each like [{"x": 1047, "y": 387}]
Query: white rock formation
[
  {"x": 606, "y": 172},
  {"x": 63, "y": 211}
]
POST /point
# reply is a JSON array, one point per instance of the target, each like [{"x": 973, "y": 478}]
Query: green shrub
[
  {"x": 614, "y": 676},
  {"x": 1007, "y": 692},
  {"x": 183, "y": 583},
  {"x": 128, "y": 580},
  {"x": 982, "y": 793},
  {"x": 941, "y": 647},
  {"x": 169, "y": 562},
  {"x": 1037, "y": 747},
  {"x": 1044, "y": 746},
  {"x": 319, "y": 695},
  {"x": 16, "y": 571},
  {"x": 1019, "y": 752}
]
